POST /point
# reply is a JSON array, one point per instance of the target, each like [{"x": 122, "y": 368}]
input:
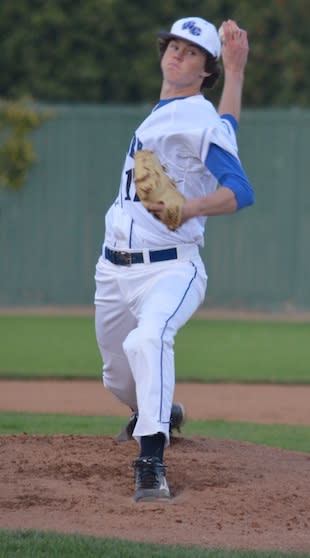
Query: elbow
[
  {"x": 246, "y": 199},
  {"x": 250, "y": 199}
]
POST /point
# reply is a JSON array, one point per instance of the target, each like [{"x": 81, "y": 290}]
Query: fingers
[
  {"x": 156, "y": 208},
  {"x": 232, "y": 32},
  {"x": 235, "y": 47}
]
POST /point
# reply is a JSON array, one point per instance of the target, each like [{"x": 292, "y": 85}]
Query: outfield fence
[{"x": 52, "y": 229}]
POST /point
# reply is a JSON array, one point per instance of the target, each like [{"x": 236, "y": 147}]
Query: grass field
[
  {"x": 206, "y": 351},
  {"x": 289, "y": 437},
  {"x": 30, "y": 544},
  {"x": 215, "y": 350}
]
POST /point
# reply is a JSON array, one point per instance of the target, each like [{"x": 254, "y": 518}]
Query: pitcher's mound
[{"x": 225, "y": 493}]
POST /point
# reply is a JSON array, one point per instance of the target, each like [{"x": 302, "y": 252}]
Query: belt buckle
[{"x": 125, "y": 257}]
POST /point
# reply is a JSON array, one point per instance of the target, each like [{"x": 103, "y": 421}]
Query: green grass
[
  {"x": 206, "y": 351},
  {"x": 294, "y": 438},
  {"x": 244, "y": 351},
  {"x": 41, "y": 346},
  {"x": 32, "y": 544}
]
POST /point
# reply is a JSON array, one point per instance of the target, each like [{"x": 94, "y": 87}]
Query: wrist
[
  {"x": 191, "y": 208},
  {"x": 234, "y": 74}
]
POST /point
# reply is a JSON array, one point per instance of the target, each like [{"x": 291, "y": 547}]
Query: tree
[{"x": 104, "y": 50}]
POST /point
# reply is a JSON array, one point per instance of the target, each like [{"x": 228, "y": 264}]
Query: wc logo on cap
[{"x": 192, "y": 28}]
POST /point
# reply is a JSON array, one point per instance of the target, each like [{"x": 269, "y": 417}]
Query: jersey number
[{"x": 129, "y": 174}]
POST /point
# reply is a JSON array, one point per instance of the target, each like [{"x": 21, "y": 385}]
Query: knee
[
  {"x": 140, "y": 338},
  {"x": 145, "y": 338}
]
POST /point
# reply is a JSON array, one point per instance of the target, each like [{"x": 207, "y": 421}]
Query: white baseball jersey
[{"x": 180, "y": 133}]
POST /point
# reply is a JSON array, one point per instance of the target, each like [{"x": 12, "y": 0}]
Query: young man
[{"x": 150, "y": 280}]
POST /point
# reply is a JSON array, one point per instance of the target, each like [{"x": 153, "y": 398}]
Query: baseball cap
[{"x": 196, "y": 30}]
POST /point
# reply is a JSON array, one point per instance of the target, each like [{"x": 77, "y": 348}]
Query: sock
[{"x": 153, "y": 446}]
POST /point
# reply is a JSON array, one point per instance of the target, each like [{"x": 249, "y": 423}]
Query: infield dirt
[{"x": 226, "y": 494}]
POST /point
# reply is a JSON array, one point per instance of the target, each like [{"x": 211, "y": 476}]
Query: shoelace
[{"x": 149, "y": 473}]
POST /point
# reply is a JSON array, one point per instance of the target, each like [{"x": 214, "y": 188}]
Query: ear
[{"x": 204, "y": 74}]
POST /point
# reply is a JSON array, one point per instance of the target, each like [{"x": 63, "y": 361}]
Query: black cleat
[
  {"x": 177, "y": 419},
  {"x": 126, "y": 433},
  {"x": 150, "y": 480}
]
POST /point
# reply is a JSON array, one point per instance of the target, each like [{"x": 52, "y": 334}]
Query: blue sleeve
[
  {"x": 232, "y": 120},
  {"x": 228, "y": 171}
]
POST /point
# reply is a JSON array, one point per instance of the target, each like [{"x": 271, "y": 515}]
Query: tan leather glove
[{"x": 154, "y": 185}]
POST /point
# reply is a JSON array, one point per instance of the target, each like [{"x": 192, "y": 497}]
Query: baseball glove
[{"x": 154, "y": 185}]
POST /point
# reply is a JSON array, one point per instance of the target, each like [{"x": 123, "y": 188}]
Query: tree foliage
[
  {"x": 17, "y": 121},
  {"x": 105, "y": 50}
]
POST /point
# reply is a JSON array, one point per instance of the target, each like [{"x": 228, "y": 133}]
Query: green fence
[{"x": 51, "y": 231}]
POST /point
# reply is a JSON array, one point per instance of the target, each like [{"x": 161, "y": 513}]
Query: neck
[{"x": 169, "y": 91}]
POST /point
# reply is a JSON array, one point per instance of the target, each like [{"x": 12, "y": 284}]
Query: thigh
[
  {"x": 113, "y": 318},
  {"x": 172, "y": 295}
]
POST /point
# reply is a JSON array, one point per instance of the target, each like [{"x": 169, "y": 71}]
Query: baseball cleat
[
  {"x": 177, "y": 419},
  {"x": 151, "y": 483},
  {"x": 126, "y": 433}
]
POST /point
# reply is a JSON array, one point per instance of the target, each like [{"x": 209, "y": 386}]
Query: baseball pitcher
[{"x": 181, "y": 167}]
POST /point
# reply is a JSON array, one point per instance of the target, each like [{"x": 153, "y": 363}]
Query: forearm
[
  {"x": 220, "y": 202},
  {"x": 231, "y": 98}
]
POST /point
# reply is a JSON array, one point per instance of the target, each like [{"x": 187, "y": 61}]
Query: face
[{"x": 183, "y": 64}]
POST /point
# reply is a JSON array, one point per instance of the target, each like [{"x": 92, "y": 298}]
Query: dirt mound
[{"x": 225, "y": 493}]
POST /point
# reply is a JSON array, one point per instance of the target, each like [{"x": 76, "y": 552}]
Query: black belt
[{"x": 120, "y": 257}]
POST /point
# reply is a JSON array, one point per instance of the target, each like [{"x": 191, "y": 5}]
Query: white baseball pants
[{"x": 139, "y": 309}]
